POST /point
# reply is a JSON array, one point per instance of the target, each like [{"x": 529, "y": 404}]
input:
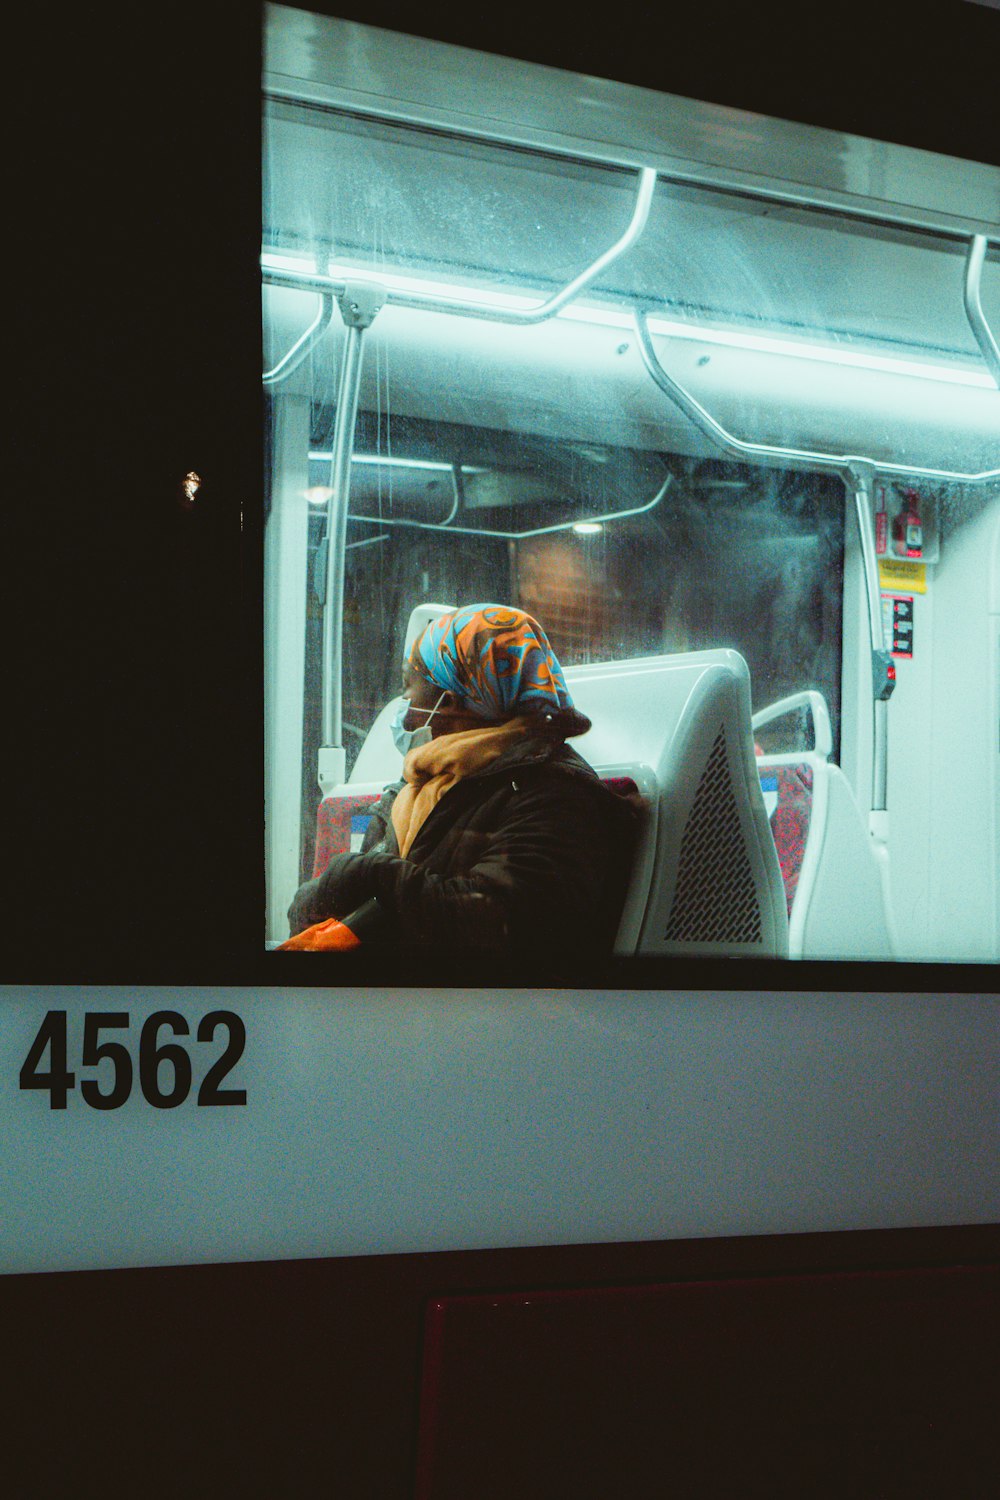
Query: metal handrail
[
  {"x": 519, "y": 536},
  {"x": 795, "y": 458},
  {"x": 974, "y": 308},
  {"x": 494, "y": 312},
  {"x": 857, "y": 472},
  {"x": 360, "y": 300},
  {"x": 303, "y": 346},
  {"x": 816, "y": 704}
]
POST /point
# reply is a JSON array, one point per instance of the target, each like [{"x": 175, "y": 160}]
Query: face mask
[{"x": 406, "y": 740}]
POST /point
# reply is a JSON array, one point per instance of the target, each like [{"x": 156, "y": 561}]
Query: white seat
[
  {"x": 838, "y": 909},
  {"x": 706, "y": 878}
]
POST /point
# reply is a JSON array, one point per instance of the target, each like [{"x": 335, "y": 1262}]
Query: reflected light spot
[
  {"x": 190, "y": 485},
  {"x": 318, "y": 494}
]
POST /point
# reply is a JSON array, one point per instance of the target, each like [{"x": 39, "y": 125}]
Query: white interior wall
[
  {"x": 943, "y": 740},
  {"x": 994, "y": 631},
  {"x": 960, "y": 719}
]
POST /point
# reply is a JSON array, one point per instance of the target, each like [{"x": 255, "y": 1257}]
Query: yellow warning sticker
[{"x": 907, "y": 575}]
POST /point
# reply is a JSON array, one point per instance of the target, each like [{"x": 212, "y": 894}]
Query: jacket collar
[{"x": 534, "y": 750}]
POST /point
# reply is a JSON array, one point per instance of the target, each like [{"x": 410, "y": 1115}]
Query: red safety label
[{"x": 897, "y": 623}]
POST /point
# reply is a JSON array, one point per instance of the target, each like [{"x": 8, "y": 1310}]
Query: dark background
[{"x": 132, "y": 781}]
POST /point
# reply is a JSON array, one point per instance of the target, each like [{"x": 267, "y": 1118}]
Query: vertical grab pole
[
  {"x": 859, "y": 478},
  {"x": 359, "y": 305}
]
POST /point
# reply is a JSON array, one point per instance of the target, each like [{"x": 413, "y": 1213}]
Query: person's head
[{"x": 484, "y": 664}]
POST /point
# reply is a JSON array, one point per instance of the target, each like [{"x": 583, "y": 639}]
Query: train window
[{"x": 667, "y": 407}]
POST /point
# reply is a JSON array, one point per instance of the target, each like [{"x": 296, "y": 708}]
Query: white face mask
[{"x": 406, "y": 740}]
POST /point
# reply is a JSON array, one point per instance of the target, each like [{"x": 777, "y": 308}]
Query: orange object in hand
[{"x": 330, "y": 936}]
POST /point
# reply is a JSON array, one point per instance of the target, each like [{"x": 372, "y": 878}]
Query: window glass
[
  {"x": 541, "y": 466},
  {"x": 378, "y": 195}
]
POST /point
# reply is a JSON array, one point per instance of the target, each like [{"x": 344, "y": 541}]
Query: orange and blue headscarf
[{"x": 497, "y": 661}]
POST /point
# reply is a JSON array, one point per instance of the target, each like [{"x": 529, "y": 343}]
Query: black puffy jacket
[{"x": 527, "y": 857}]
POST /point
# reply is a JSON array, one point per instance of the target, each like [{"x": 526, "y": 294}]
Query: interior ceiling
[{"x": 393, "y": 196}]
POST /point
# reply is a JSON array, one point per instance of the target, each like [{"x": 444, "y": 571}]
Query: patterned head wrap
[{"x": 498, "y": 663}]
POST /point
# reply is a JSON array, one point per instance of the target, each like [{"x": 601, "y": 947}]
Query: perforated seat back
[{"x": 707, "y": 878}]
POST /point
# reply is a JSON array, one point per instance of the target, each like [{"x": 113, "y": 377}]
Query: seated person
[{"x": 500, "y": 840}]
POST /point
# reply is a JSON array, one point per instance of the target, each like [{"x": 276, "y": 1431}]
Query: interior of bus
[{"x": 712, "y": 396}]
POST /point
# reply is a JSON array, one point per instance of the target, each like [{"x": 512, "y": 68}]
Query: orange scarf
[{"x": 433, "y": 769}]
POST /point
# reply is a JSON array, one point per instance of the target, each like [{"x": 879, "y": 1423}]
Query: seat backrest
[
  {"x": 788, "y": 798},
  {"x": 341, "y": 820},
  {"x": 835, "y": 892},
  {"x": 706, "y": 878}
]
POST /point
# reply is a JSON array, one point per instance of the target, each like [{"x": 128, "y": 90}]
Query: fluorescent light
[
  {"x": 829, "y": 354},
  {"x": 583, "y": 312},
  {"x": 383, "y": 461},
  {"x": 271, "y": 261},
  {"x": 587, "y": 528}
]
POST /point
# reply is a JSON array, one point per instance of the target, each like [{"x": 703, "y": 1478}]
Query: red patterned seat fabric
[
  {"x": 790, "y": 822},
  {"x": 338, "y": 819}
]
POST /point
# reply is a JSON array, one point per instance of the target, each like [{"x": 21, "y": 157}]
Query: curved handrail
[
  {"x": 798, "y": 458},
  {"x": 974, "y": 307},
  {"x": 303, "y": 346},
  {"x": 816, "y": 703},
  {"x": 519, "y": 536},
  {"x": 494, "y": 312}
]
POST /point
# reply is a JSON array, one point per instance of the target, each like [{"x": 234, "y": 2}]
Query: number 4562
[{"x": 155, "y": 1058}]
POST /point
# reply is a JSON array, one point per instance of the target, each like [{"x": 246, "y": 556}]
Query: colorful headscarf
[{"x": 496, "y": 660}]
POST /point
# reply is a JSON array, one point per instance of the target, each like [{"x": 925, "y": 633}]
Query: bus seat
[
  {"x": 836, "y": 903},
  {"x": 788, "y": 795},
  {"x": 705, "y": 876},
  {"x": 341, "y": 820},
  {"x": 706, "y": 879}
]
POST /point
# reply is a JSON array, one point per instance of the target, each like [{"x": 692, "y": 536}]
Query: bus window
[{"x": 542, "y": 462}]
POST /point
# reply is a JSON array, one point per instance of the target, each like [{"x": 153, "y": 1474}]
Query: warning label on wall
[{"x": 902, "y": 575}]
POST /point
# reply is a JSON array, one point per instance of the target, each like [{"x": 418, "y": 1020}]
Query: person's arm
[{"x": 536, "y": 883}]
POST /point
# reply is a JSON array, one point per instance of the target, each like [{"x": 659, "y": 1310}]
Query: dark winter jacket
[{"x": 527, "y": 857}]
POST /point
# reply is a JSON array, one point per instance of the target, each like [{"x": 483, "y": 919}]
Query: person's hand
[
  {"x": 304, "y": 910},
  {"x": 344, "y": 886}
]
